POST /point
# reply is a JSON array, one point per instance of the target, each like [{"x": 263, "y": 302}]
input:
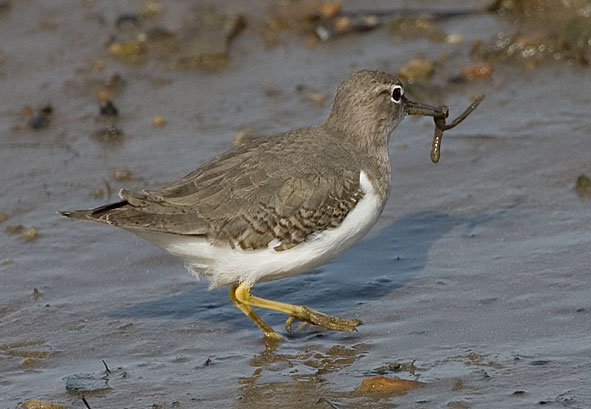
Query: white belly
[{"x": 224, "y": 265}]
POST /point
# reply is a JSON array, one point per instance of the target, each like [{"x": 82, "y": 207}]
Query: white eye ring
[{"x": 396, "y": 94}]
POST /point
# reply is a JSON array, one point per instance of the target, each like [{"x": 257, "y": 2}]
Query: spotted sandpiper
[{"x": 279, "y": 205}]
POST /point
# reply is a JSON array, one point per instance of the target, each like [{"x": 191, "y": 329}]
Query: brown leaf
[{"x": 383, "y": 383}]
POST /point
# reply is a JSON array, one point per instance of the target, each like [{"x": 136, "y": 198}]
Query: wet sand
[{"x": 478, "y": 270}]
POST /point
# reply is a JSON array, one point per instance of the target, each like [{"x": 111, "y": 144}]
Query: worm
[{"x": 441, "y": 126}]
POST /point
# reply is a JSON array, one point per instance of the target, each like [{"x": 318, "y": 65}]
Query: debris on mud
[
  {"x": 109, "y": 134},
  {"x": 397, "y": 367},
  {"x": 583, "y": 186},
  {"x": 158, "y": 121},
  {"x": 545, "y": 30},
  {"x": 132, "y": 51},
  {"x": 477, "y": 71},
  {"x": 127, "y": 21},
  {"x": 150, "y": 8},
  {"x": 406, "y": 28},
  {"x": 243, "y": 136},
  {"x": 395, "y": 386},
  {"x": 417, "y": 69},
  {"x": 205, "y": 44},
  {"x": 40, "y": 404},
  {"x": 30, "y": 234},
  {"x": 40, "y": 119},
  {"x": 87, "y": 383},
  {"x": 122, "y": 175},
  {"x": 107, "y": 108},
  {"x": 14, "y": 229}
]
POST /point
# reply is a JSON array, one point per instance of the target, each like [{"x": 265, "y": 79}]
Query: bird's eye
[{"x": 397, "y": 93}]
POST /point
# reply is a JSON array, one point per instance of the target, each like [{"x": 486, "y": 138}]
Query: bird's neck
[{"x": 370, "y": 140}]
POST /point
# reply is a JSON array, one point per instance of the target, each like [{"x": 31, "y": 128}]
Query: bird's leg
[
  {"x": 269, "y": 332},
  {"x": 300, "y": 312}
]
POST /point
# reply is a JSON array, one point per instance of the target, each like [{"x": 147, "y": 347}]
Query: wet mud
[{"x": 474, "y": 288}]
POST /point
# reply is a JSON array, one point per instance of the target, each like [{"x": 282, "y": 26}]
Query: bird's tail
[{"x": 92, "y": 214}]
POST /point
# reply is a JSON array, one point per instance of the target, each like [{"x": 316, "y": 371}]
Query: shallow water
[{"x": 478, "y": 270}]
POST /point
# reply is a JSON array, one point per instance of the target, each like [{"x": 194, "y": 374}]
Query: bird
[{"x": 281, "y": 204}]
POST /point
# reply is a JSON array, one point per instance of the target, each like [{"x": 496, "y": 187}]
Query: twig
[{"x": 85, "y": 402}]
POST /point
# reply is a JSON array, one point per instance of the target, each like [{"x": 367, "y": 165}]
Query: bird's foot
[{"x": 305, "y": 314}]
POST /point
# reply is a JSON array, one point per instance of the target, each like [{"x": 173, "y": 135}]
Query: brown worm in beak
[{"x": 441, "y": 126}]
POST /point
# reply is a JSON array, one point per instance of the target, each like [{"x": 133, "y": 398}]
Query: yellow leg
[
  {"x": 300, "y": 312},
  {"x": 270, "y": 334}
]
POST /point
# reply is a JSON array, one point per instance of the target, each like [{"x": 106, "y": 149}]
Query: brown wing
[{"x": 251, "y": 196}]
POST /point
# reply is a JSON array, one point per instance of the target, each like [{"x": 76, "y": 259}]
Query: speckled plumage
[{"x": 278, "y": 189}]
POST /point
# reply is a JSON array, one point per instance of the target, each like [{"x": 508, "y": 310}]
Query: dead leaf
[{"x": 385, "y": 384}]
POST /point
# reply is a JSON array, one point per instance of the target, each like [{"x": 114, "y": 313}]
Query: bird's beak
[{"x": 418, "y": 108}]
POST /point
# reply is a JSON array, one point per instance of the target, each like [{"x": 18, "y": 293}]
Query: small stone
[
  {"x": 132, "y": 51},
  {"x": 107, "y": 108},
  {"x": 108, "y": 134},
  {"x": 14, "y": 229},
  {"x": 29, "y": 363},
  {"x": 417, "y": 69},
  {"x": 39, "y": 121},
  {"x": 46, "y": 110},
  {"x": 103, "y": 95},
  {"x": 478, "y": 71},
  {"x": 317, "y": 98},
  {"x": 127, "y": 21},
  {"x": 518, "y": 393},
  {"x": 243, "y": 137},
  {"x": 329, "y": 9},
  {"x": 122, "y": 175},
  {"x": 150, "y": 8},
  {"x": 158, "y": 121},
  {"x": 454, "y": 39},
  {"x": 30, "y": 234},
  {"x": 473, "y": 356},
  {"x": 583, "y": 186}
]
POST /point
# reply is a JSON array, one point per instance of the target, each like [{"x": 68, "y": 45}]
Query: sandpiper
[{"x": 279, "y": 205}]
